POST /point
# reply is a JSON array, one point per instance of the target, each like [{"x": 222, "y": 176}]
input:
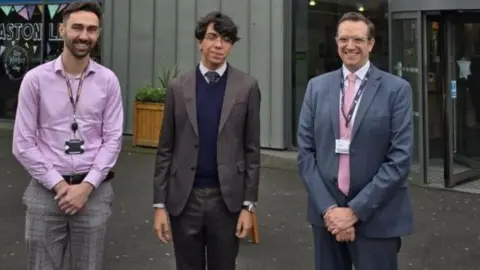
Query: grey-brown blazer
[{"x": 238, "y": 145}]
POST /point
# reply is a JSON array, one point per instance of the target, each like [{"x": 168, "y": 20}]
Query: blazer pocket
[{"x": 241, "y": 166}]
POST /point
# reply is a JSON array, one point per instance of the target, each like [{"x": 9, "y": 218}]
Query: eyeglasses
[
  {"x": 214, "y": 37},
  {"x": 355, "y": 40}
]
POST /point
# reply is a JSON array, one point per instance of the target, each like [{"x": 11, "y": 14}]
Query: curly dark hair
[{"x": 222, "y": 23}]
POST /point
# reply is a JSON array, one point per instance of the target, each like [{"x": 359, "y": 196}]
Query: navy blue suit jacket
[{"x": 380, "y": 153}]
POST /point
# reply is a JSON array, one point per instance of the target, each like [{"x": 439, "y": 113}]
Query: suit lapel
[
  {"x": 189, "y": 91},
  {"x": 334, "y": 101},
  {"x": 233, "y": 82},
  {"x": 368, "y": 94}
]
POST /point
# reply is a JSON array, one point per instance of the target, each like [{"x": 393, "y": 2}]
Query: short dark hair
[
  {"x": 222, "y": 23},
  {"x": 358, "y": 17},
  {"x": 90, "y": 6}
]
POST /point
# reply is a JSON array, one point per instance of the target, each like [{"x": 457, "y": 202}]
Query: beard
[{"x": 79, "y": 48}]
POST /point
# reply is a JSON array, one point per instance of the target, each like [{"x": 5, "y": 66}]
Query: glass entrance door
[
  {"x": 462, "y": 98},
  {"x": 406, "y": 62},
  {"x": 435, "y": 84}
]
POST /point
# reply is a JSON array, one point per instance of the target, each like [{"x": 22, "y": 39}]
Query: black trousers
[{"x": 204, "y": 233}]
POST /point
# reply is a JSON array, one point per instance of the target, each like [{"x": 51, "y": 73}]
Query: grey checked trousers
[{"x": 50, "y": 233}]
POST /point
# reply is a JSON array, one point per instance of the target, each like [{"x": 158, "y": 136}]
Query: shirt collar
[
  {"x": 221, "y": 70},
  {"x": 360, "y": 73},
  {"x": 58, "y": 65}
]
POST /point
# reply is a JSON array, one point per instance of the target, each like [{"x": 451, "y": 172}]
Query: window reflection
[
  {"x": 24, "y": 46},
  {"x": 20, "y": 50}
]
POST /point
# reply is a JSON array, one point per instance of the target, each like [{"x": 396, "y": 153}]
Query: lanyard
[
  {"x": 349, "y": 116},
  {"x": 74, "y": 101}
]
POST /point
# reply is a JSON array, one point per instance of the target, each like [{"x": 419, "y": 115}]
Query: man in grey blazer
[
  {"x": 355, "y": 140},
  {"x": 208, "y": 159}
]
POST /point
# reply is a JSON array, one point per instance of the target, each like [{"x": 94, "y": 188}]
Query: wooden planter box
[{"x": 147, "y": 123}]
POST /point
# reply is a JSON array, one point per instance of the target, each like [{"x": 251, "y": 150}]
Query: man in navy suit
[{"x": 355, "y": 141}]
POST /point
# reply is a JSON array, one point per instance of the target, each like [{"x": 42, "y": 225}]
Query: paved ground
[{"x": 447, "y": 235}]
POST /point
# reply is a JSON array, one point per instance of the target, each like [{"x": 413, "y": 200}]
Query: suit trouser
[
  {"x": 205, "y": 226},
  {"x": 363, "y": 253},
  {"x": 49, "y": 231}
]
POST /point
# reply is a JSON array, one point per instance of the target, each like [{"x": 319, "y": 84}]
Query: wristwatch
[{"x": 249, "y": 207}]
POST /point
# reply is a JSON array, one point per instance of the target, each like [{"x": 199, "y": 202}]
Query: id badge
[
  {"x": 74, "y": 147},
  {"x": 342, "y": 146}
]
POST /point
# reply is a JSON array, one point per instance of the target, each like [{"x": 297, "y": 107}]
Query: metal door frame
[
  {"x": 451, "y": 178},
  {"x": 425, "y": 101},
  {"x": 414, "y": 15}
]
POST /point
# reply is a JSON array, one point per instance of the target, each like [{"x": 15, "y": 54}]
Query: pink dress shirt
[{"x": 44, "y": 117}]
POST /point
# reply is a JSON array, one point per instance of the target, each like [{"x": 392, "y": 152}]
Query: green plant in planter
[
  {"x": 150, "y": 94},
  {"x": 153, "y": 94},
  {"x": 167, "y": 76}
]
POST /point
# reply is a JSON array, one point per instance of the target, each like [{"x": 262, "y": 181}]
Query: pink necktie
[{"x": 345, "y": 133}]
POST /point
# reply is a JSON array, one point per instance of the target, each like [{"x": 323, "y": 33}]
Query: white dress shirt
[{"x": 221, "y": 70}]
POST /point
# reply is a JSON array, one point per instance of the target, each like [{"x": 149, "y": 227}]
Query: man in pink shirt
[{"x": 68, "y": 135}]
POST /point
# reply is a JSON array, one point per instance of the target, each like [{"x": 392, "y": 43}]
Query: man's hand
[
  {"x": 75, "y": 198},
  {"x": 339, "y": 219},
  {"x": 161, "y": 226},
  {"x": 61, "y": 189},
  {"x": 244, "y": 224},
  {"x": 347, "y": 235}
]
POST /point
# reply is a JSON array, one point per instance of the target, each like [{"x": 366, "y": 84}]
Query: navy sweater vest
[{"x": 209, "y": 98}]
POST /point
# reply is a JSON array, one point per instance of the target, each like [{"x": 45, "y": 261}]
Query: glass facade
[
  {"x": 405, "y": 61},
  {"x": 28, "y": 37},
  {"x": 315, "y": 49}
]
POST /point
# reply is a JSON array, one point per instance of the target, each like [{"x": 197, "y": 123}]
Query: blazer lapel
[
  {"x": 366, "y": 100},
  {"x": 334, "y": 87},
  {"x": 233, "y": 82},
  {"x": 189, "y": 92}
]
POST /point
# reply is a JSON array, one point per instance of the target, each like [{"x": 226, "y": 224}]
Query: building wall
[
  {"x": 415, "y": 5},
  {"x": 141, "y": 37}
]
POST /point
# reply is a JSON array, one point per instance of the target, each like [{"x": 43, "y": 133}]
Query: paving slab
[{"x": 447, "y": 223}]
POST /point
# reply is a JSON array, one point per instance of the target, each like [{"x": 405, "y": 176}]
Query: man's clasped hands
[
  {"x": 340, "y": 222},
  {"x": 72, "y": 198}
]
